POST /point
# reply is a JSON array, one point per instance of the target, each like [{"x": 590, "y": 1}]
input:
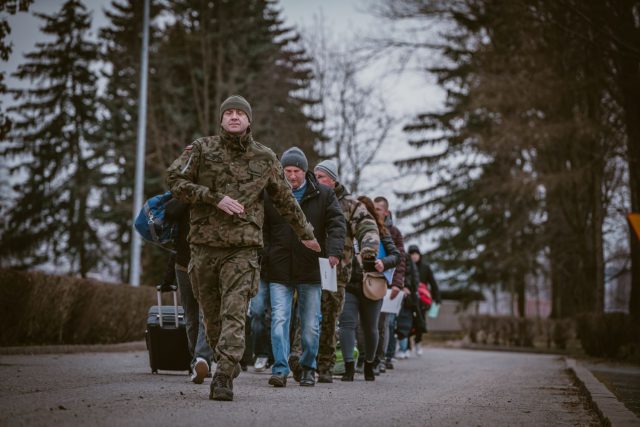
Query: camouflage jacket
[
  {"x": 241, "y": 168},
  {"x": 361, "y": 226}
]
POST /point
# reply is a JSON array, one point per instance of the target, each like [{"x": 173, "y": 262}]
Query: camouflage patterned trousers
[
  {"x": 223, "y": 281},
  {"x": 331, "y": 308}
]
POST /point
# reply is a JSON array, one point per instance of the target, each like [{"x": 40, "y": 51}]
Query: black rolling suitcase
[{"x": 166, "y": 336}]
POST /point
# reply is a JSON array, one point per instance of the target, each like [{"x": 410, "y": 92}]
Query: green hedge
[
  {"x": 36, "y": 309},
  {"x": 518, "y": 332},
  {"x": 614, "y": 335}
]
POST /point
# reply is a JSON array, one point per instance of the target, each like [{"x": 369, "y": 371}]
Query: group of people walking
[{"x": 253, "y": 228}]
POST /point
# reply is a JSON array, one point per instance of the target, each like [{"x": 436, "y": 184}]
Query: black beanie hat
[
  {"x": 413, "y": 249},
  {"x": 237, "y": 102}
]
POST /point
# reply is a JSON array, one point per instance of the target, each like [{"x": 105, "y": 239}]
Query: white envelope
[
  {"x": 392, "y": 305},
  {"x": 328, "y": 275}
]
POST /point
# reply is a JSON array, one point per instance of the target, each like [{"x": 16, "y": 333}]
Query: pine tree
[
  {"x": 215, "y": 49},
  {"x": 53, "y": 145},
  {"x": 122, "y": 42}
]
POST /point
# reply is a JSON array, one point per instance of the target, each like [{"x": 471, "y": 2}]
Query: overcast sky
[{"x": 407, "y": 93}]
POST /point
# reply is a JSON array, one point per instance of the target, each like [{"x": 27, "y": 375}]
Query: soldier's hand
[
  {"x": 230, "y": 206},
  {"x": 312, "y": 244},
  {"x": 333, "y": 261}
]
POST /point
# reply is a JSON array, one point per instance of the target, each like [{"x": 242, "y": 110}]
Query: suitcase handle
[{"x": 168, "y": 288}]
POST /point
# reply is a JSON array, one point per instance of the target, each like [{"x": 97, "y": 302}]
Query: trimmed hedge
[
  {"x": 37, "y": 309},
  {"x": 518, "y": 332},
  {"x": 613, "y": 335}
]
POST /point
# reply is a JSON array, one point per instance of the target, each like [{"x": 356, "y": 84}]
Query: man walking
[
  {"x": 222, "y": 178},
  {"x": 291, "y": 267},
  {"x": 362, "y": 227}
]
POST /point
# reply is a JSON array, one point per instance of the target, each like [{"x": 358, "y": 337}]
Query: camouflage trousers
[
  {"x": 331, "y": 307},
  {"x": 223, "y": 281}
]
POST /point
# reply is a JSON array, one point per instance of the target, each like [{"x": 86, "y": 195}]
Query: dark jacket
[
  {"x": 398, "y": 240},
  {"x": 177, "y": 212},
  {"x": 426, "y": 277},
  {"x": 389, "y": 261},
  {"x": 286, "y": 259}
]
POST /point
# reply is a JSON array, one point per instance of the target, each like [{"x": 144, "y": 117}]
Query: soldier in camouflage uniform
[
  {"x": 362, "y": 227},
  {"x": 222, "y": 178}
]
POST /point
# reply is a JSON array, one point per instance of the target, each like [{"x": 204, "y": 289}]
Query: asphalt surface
[{"x": 443, "y": 387}]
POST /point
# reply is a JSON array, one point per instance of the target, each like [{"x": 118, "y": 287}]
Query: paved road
[{"x": 444, "y": 387}]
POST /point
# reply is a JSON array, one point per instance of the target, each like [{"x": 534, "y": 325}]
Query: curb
[{"x": 611, "y": 411}]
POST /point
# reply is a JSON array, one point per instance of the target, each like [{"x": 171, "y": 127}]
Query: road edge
[
  {"x": 75, "y": 348},
  {"x": 610, "y": 410}
]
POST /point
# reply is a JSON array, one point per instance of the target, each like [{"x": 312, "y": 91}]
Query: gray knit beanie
[
  {"x": 294, "y": 157},
  {"x": 237, "y": 102},
  {"x": 329, "y": 167}
]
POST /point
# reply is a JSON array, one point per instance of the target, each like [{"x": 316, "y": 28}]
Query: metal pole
[{"x": 134, "y": 276}]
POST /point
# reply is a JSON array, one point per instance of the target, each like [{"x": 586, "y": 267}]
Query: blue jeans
[
  {"x": 309, "y": 297},
  {"x": 260, "y": 332},
  {"x": 196, "y": 336}
]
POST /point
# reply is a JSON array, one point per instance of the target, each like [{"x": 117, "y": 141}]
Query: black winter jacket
[
  {"x": 389, "y": 261},
  {"x": 427, "y": 277},
  {"x": 286, "y": 259}
]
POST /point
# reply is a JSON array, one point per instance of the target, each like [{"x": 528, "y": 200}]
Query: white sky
[{"x": 408, "y": 93}]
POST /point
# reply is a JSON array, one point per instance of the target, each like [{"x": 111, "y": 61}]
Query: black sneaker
[
  {"x": 296, "y": 369},
  {"x": 389, "y": 364},
  {"x": 278, "y": 380},
  {"x": 308, "y": 378},
  {"x": 325, "y": 377},
  {"x": 221, "y": 387}
]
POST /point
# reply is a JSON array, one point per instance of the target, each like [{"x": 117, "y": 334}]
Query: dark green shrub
[
  {"x": 46, "y": 309},
  {"x": 603, "y": 335}
]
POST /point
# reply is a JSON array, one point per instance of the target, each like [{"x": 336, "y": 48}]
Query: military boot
[
  {"x": 296, "y": 368},
  {"x": 325, "y": 376},
  {"x": 221, "y": 387}
]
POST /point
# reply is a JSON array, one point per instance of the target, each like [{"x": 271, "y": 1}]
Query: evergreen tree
[
  {"x": 215, "y": 49},
  {"x": 522, "y": 154},
  {"x": 122, "y": 44},
  {"x": 11, "y": 7},
  {"x": 53, "y": 145}
]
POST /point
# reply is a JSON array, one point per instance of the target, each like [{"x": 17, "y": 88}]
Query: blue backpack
[{"x": 150, "y": 222}]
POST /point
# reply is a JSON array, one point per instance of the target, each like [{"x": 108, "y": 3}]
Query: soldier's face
[
  {"x": 295, "y": 176},
  {"x": 235, "y": 121},
  {"x": 324, "y": 179}
]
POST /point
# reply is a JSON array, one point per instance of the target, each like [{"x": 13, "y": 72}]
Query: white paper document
[
  {"x": 328, "y": 275},
  {"x": 392, "y": 305}
]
